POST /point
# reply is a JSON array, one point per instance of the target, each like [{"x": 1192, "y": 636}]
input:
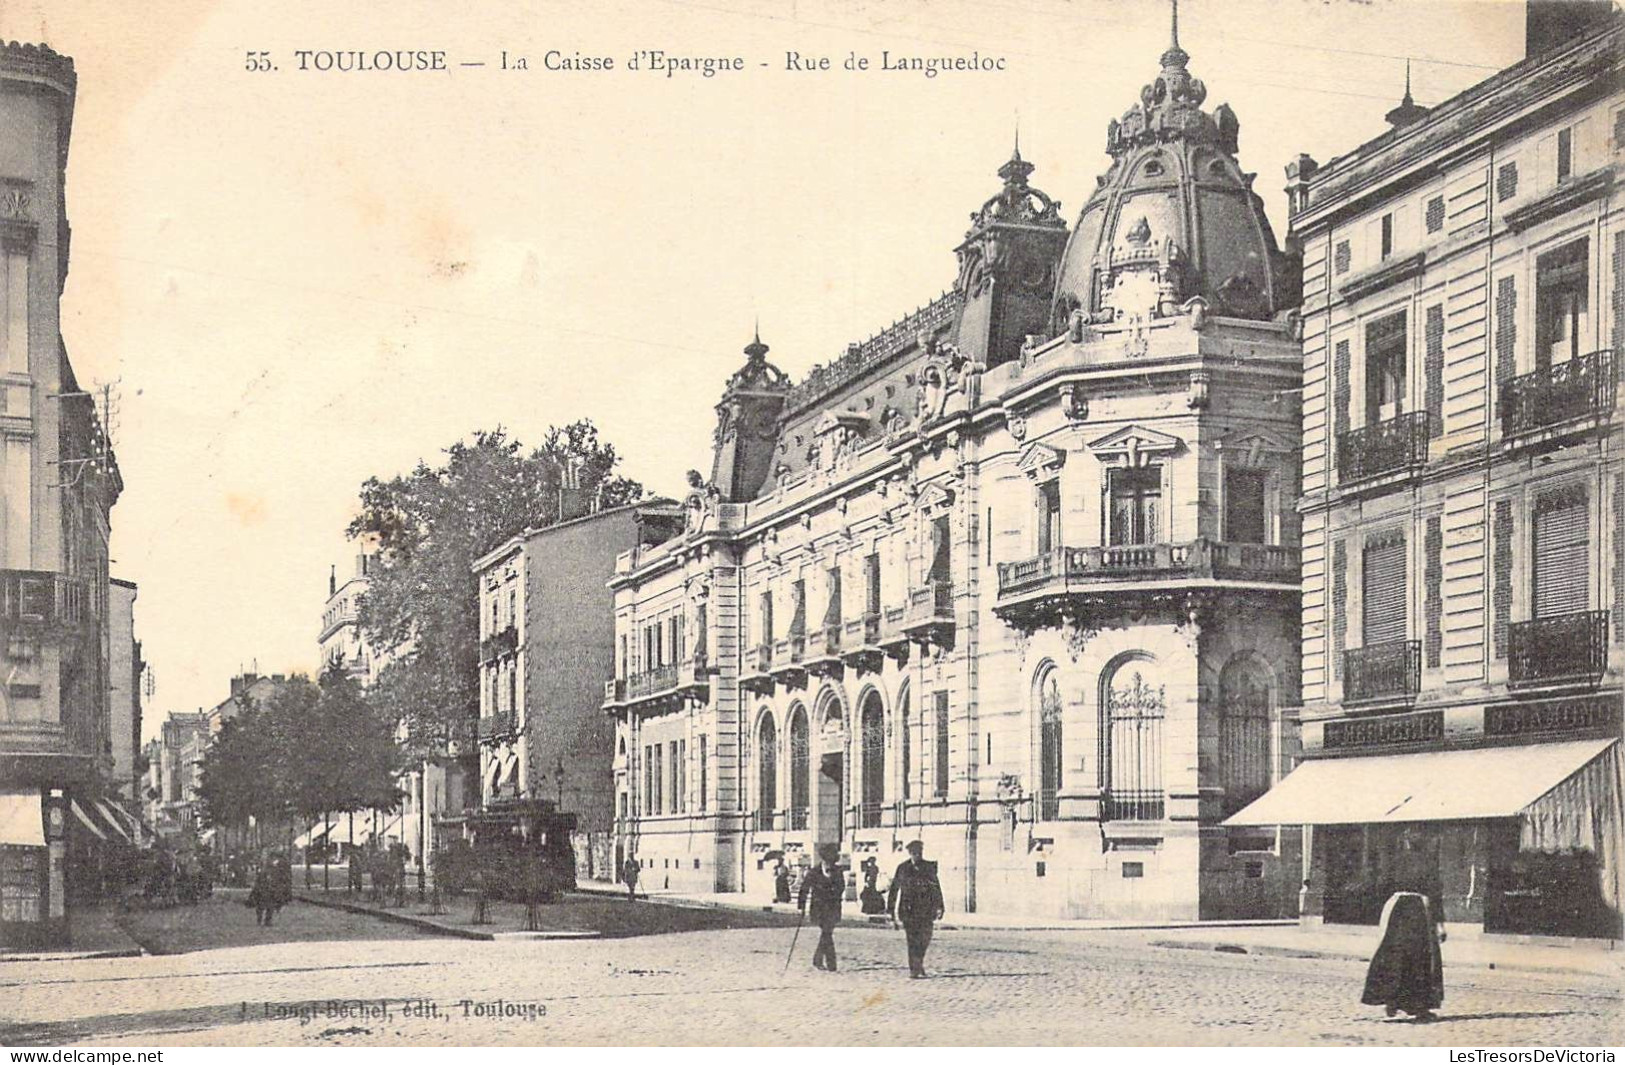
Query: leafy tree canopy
[{"x": 421, "y": 608}]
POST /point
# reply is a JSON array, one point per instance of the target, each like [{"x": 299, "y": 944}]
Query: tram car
[{"x": 515, "y": 849}]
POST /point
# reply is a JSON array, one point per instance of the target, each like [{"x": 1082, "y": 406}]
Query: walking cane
[{"x": 787, "y": 957}]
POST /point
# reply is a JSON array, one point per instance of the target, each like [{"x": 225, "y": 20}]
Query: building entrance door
[{"x": 829, "y": 798}]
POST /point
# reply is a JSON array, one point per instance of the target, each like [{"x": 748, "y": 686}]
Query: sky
[{"x": 300, "y": 279}]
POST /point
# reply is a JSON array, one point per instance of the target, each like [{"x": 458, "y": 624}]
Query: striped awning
[
  {"x": 85, "y": 819},
  {"x": 103, "y": 807}
]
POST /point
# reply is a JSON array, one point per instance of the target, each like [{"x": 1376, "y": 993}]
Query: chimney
[{"x": 1550, "y": 24}]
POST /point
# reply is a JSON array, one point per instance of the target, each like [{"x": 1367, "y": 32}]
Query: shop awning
[
  {"x": 84, "y": 819},
  {"x": 20, "y": 822},
  {"x": 1429, "y": 786},
  {"x": 113, "y": 820}
]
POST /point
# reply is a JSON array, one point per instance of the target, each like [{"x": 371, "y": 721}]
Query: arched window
[
  {"x": 767, "y": 772},
  {"x": 1049, "y": 747},
  {"x": 874, "y": 760},
  {"x": 800, "y": 767},
  {"x": 1244, "y": 732},
  {"x": 1131, "y": 744}
]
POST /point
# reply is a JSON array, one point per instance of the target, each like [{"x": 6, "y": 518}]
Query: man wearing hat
[
  {"x": 824, "y": 886},
  {"x": 915, "y": 902}
]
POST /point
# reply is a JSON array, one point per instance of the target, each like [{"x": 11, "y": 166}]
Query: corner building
[
  {"x": 1464, "y": 505},
  {"x": 1017, "y": 576}
]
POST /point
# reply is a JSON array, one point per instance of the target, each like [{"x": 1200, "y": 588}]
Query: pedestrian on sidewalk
[
  {"x": 1407, "y": 972},
  {"x": 629, "y": 873},
  {"x": 821, "y": 892},
  {"x": 870, "y": 898},
  {"x": 915, "y": 902},
  {"x": 259, "y": 896},
  {"x": 781, "y": 882}
]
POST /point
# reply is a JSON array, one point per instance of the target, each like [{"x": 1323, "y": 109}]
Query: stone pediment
[
  {"x": 1250, "y": 444},
  {"x": 1040, "y": 462},
  {"x": 1132, "y": 444},
  {"x": 935, "y": 497}
]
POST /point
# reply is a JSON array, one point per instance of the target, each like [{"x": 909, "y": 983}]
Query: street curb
[
  {"x": 87, "y": 955},
  {"x": 1322, "y": 954},
  {"x": 421, "y": 923}
]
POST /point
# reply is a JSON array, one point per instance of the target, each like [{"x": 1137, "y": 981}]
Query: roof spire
[
  {"x": 1175, "y": 56},
  {"x": 1174, "y": 38},
  {"x": 1408, "y": 110}
]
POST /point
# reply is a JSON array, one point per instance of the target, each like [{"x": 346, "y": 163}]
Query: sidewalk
[
  {"x": 93, "y": 932},
  {"x": 1280, "y": 938},
  {"x": 504, "y": 920},
  {"x": 1588, "y": 956}
]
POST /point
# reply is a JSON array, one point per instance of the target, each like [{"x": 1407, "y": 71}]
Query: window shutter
[
  {"x": 1433, "y": 338},
  {"x": 1342, "y": 257},
  {"x": 1244, "y": 518},
  {"x": 940, "y": 567},
  {"x": 832, "y": 613},
  {"x": 1619, "y": 555},
  {"x": 1340, "y": 598},
  {"x": 1506, "y": 182},
  {"x": 1435, "y": 214},
  {"x": 1561, "y": 550},
  {"x": 942, "y": 744},
  {"x": 1506, "y": 329},
  {"x": 1502, "y": 563},
  {"x": 1341, "y": 396},
  {"x": 1383, "y": 590},
  {"x": 1433, "y": 583}
]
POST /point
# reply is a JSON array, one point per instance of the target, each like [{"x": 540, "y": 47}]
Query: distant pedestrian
[
  {"x": 629, "y": 873},
  {"x": 781, "y": 883},
  {"x": 821, "y": 892},
  {"x": 915, "y": 902},
  {"x": 1407, "y": 972},
  {"x": 870, "y": 898}
]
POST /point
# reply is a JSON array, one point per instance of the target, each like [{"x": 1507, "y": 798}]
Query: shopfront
[
  {"x": 1520, "y": 839},
  {"x": 24, "y": 869}
]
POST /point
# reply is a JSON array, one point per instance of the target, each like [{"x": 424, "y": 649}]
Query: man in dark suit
[
  {"x": 915, "y": 902},
  {"x": 821, "y": 892}
]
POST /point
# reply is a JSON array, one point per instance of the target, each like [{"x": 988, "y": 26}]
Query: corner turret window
[
  {"x": 1246, "y": 517},
  {"x": 1049, "y": 517},
  {"x": 1136, "y": 505}
]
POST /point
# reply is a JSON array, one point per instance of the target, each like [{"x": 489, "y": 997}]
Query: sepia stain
[
  {"x": 450, "y": 270},
  {"x": 873, "y": 1000},
  {"x": 248, "y": 510}
]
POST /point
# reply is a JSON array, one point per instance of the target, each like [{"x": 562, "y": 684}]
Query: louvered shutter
[
  {"x": 1384, "y": 590},
  {"x": 1561, "y": 549}
]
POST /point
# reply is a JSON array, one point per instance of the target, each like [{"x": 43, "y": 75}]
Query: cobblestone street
[{"x": 240, "y": 985}]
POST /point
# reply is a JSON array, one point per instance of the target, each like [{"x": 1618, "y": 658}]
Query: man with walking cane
[
  {"x": 823, "y": 887},
  {"x": 915, "y": 902}
]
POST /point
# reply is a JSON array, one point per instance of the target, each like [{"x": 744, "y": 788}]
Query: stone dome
[{"x": 1174, "y": 217}]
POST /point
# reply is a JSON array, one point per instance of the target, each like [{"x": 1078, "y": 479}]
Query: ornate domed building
[{"x": 1017, "y": 576}]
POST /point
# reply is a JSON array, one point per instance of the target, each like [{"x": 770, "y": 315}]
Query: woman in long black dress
[{"x": 1407, "y": 972}]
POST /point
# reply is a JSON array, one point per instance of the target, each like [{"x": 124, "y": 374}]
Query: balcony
[
  {"x": 894, "y": 641},
  {"x": 495, "y": 727},
  {"x": 860, "y": 649},
  {"x": 1038, "y": 590},
  {"x": 1562, "y": 393},
  {"x": 42, "y": 598},
  {"x": 1384, "y": 673},
  {"x": 798, "y": 818},
  {"x": 652, "y": 686},
  {"x": 763, "y": 820},
  {"x": 824, "y": 652},
  {"x": 789, "y": 654},
  {"x": 756, "y": 674},
  {"x": 1049, "y": 804},
  {"x": 498, "y": 644},
  {"x": 869, "y": 814},
  {"x": 1398, "y": 445},
  {"x": 614, "y": 694},
  {"x": 1563, "y": 651},
  {"x": 930, "y": 617},
  {"x": 1132, "y": 805},
  {"x": 694, "y": 678}
]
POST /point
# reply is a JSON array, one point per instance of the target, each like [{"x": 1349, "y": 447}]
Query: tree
[{"x": 421, "y": 609}]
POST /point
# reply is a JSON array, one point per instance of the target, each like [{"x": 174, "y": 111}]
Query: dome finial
[
  {"x": 756, "y": 350},
  {"x": 1175, "y": 57},
  {"x": 1174, "y": 38}
]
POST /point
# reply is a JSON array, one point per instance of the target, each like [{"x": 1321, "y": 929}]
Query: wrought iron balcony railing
[
  {"x": 497, "y": 726},
  {"x": 1550, "y": 652},
  {"x": 1123, "y": 805},
  {"x": 1390, "y": 671},
  {"x": 1199, "y": 558},
  {"x": 41, "y": 597},
  {"x": 763, "y": 820},
  {"x": 500, "y": 643},
  {"x": 869, "y": 815},
  {"x": 652, "y": 682},
  {"x": 1387, "y": 447},
  {"x": 1560, "y": 393},
  {"x": 798, "y": 818}
]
